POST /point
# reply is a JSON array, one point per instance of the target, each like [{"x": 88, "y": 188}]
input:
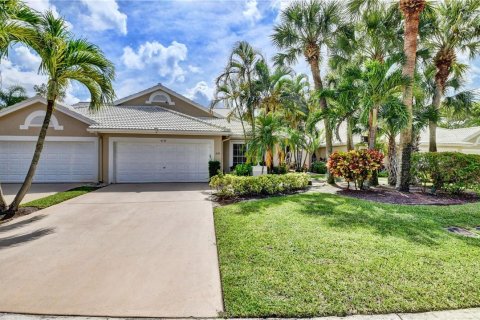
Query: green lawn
[
  {"x": 59, "y": 197},
  {"x": 321, "y": 254}
]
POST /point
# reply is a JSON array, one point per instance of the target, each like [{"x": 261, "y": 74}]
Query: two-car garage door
[
  {"x": 60, "y": 161},
  {"x": 161, "y": 160}
]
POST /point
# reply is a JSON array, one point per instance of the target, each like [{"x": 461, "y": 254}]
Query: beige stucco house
[{"x": 155, "y": 135}]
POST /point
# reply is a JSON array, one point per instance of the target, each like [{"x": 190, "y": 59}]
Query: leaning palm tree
[
  {"x": 64, "y": 59},
  {"x": 456, "y": 29},
  {"x": 12, "y": 95},
  {"x": 307, "y": 28},
  {"x": 411, "y": 10}
]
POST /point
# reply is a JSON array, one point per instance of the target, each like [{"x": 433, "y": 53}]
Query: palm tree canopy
[
  {"x": 304, "y": 28},
  {"x": 12, "y": 95},
  {"x": 65, "y": 58}
]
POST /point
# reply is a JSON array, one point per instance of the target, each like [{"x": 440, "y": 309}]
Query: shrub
[
  {"x": 453, "y": 172},
  {"x": 213, "y": 168},
  {"x": 281, "y": 169},
  {"x": 231, "y": 186},
  {"x": 243, "y": 169},
  {"x": 319, "y": 167},
  {"x": 383, "y": 174},
  {"x": 355, "y": 165}
]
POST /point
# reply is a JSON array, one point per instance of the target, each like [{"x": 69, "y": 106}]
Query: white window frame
[
  {"x": 232, "y": 142},
  {"x": 40, "y": 113},
  {"x": 160, "y": 93}
]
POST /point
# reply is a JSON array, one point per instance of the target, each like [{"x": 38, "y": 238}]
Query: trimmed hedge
[
  {"x": 231, "y": 186},
  {"x": 453, "y": 172},
  {"x": 319, "y": 167}
]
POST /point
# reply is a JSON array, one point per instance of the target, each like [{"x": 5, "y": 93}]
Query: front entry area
[{"x": 137, "y": 160}]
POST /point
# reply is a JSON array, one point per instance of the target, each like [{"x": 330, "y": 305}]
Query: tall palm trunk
[
  {"x": 440, "y": 79},
  {"x": 372, "y": 128},
  {"x": 392, "y": 160},
  {"x": 317, "y": 80},
  {"x": 411, "y": 10},
  {"x": 350, "y": 145},
  {"x": 33, "y": 165}
]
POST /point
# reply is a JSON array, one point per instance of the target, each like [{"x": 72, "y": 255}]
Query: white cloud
[
  {"x": 165, "y": 60},
  {"x": 201, "y": 93},
  {"x": 194, "y": 69},
  {"x": 26, "y": 59},
  {"x": 42, "y": 6},
  {"x": 251, "y": 12},
  {"x": 104, "y": 15}
]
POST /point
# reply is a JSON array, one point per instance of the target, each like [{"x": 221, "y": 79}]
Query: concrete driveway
[
  {"x": 125, "y": 250},
  {"x": 37, "y": 190}
]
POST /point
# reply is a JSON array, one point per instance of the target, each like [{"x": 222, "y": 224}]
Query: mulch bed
[
  {"x": 22, "y": 211},
  {"x": 415, "y": 196}
]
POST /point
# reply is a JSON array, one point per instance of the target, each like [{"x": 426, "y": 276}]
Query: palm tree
[
  {"x": 456, "y": 29},
  {"x": 12, "y": 95},
  {"x": 306, "y": 28},
  {"x": 411, "y": 10},
  {"x": 64, "y": 59},
  {"x": 241, "y": 66},
  {"x": 267, "y": 135}
]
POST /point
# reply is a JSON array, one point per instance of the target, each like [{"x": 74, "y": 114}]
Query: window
[
  {"x": 35, "y": 120},
  {"x": 160, "y": 97},
  {"x": 239, "y": 150}
]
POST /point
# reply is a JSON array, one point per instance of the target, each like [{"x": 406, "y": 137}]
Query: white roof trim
[
  {"x": 159, "y": 132},
  {"x": 58, "y": 106},
  {"x": 168, "y": 91}
]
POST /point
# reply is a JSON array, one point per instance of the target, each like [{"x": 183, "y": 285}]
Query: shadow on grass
[{"x": 419, "y": 224}]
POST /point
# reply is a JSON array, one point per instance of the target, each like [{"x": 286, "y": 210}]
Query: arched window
[
  {"x": 35, "y": 120},
  {"x": 160, "y": 97}
]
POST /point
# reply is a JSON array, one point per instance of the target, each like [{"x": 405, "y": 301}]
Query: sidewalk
[{"x": 463, "y": 314}]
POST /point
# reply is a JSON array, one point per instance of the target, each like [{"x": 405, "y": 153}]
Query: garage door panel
[
  {"x": 161, "y": 161},
  {"x": 60, "y": 161}
]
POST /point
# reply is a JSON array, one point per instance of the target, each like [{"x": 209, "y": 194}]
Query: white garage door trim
[
  {"x": 114, "y": 140},
  {"x": 60, "y": 139}
]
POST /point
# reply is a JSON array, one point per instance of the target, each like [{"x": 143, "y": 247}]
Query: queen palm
[
  {"x": 456, "y": 29},
  {"x": 12, "y": 95},
  {"x": 307, "y": 28},
  {"x": 64, "y": 59},
  {"x": 411, "y": 10},
  {"x": 241, "y": 65}
]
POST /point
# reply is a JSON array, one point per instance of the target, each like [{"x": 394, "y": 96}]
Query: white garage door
[
  {"x": 162, "y": 160},
  {"x": 61, "y": 161}
]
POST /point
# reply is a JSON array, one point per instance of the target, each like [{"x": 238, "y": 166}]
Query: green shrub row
[
  {"x": 319, "y": 167},
  {"x": 453, "y": 172},
  {"x": 231, "y": 186}
]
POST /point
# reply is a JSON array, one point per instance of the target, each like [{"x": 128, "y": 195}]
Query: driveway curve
[{"x": 131, "y": 250}]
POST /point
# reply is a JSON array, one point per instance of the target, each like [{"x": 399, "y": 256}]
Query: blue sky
[{"x": 183, "y": 44}]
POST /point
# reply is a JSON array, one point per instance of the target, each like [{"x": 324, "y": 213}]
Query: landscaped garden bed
[{"x": 320, "y": 254}]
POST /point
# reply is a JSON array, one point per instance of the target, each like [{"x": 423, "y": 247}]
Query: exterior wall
[
  {"x": 226, "y": 156},
  {"x": 464, "y": 149},
  {"x": 180, "y": 106},
  {"x": 322, "y": 151},
  {"x": 10, "y": 124},
  {"x": 217, "y": 140}
]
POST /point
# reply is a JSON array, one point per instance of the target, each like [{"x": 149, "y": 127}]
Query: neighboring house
[
  {"x": 465, "y": 140},
  {"x": 155, "y": 135},
  {"x": 339, "y": 140}
]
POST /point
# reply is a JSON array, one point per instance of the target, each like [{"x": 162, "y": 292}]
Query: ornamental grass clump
[{"x": 355, "y": 166}]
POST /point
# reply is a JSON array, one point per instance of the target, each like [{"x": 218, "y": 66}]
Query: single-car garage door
[
  {"x": 162, "y": 160},
  {"x": 61, "y": 161}
]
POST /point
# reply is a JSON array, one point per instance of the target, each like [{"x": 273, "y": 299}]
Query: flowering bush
[{"x": 355, "y": 165}]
